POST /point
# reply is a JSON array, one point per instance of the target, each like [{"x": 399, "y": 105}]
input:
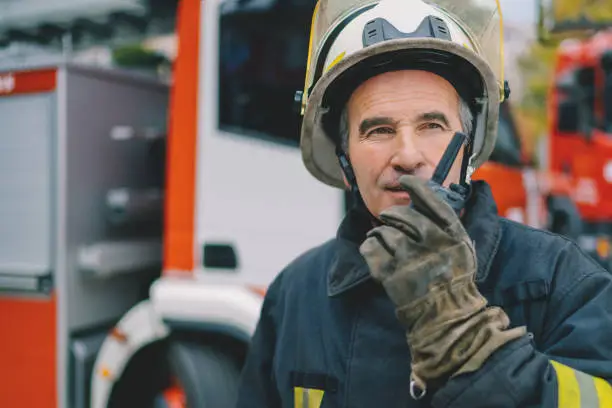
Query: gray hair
[{"x": 465, "y": 116}]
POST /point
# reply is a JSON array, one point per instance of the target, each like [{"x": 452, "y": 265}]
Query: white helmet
[{"x": 353, "y": 40}]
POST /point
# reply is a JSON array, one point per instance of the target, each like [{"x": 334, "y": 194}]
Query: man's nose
[{"x": 407, "y": 156}]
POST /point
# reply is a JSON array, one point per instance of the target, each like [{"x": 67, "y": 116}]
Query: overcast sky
[{"x": 518, "y": 11}]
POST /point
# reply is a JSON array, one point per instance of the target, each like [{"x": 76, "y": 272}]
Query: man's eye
[
  {"x": 432, "y": 128},
  {"x": 381, "y": 131},
  {"x": 433, "y": 125}
]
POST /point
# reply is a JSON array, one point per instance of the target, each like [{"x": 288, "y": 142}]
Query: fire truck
[
  {"x": 111, "y": 177},
  {"x": 579, "y": 105},
  {"x": 539, "y": 198}
]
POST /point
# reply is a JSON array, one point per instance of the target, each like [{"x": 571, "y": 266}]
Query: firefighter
[{"x": 426, "y": 297}]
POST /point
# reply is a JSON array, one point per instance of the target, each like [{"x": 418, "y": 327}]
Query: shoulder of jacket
[
  {"x": 555, "y": 252},
  {"x": 527, "y": 236}
]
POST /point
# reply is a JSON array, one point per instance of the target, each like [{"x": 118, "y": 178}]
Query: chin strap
[
  {"x": 464, "y": 188},
  {"x": 347, "y": 169}
]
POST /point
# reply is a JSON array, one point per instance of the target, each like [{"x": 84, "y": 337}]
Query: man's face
[{"x": 400, "y": 123}]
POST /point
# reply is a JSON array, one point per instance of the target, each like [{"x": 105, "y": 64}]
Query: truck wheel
[
  {"x": 564, "y": 217},
  {"x": 209, "y": 377}
]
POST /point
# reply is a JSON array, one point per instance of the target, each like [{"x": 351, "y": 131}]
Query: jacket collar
[{"x": 349, "y": 269}]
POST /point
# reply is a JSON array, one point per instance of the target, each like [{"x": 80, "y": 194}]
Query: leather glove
[{"x": 426, "y": 262}]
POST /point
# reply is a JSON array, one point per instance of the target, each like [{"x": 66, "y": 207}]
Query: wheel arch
[{"x": 222, "y": 316}]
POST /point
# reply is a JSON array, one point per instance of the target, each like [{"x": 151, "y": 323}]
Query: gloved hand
[{"x": 426, "y": 262}]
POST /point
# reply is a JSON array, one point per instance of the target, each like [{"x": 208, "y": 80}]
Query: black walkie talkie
[{"x": 456, "y": 195}]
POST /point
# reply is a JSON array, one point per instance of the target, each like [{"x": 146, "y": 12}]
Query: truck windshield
[{"x": 262, "y": 62}]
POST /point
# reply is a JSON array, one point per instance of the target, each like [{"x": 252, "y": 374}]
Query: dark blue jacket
[{"x": 328, "y": 331}]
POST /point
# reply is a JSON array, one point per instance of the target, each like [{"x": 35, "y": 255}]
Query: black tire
[
  {"x": 564, "y": 217},
  {"x": 208, "y": 376},
  {"x": 145, "y": 377}
]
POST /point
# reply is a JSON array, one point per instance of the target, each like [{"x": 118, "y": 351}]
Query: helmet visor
[{"x": 482, "y": 22}]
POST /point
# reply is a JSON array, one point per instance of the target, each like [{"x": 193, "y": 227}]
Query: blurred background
[{"x": 151, "y": 183}]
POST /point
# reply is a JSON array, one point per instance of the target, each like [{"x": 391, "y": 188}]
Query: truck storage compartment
[{"x": 26, "y": 188}]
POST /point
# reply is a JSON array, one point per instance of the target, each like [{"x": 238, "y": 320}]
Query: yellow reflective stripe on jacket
[
  {"x": 580, "y": 390},
  {"x": 307, "y": 397},
  {"x": 604, "y": 392}
]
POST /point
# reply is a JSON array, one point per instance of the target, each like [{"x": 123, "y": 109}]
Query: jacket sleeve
[
  {"x": 257, "y": 388},
  {"x": 571, "y": 367}
]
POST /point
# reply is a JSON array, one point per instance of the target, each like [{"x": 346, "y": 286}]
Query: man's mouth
[{"x": 398, "y": 193}]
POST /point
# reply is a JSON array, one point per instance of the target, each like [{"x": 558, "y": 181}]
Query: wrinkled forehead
[{"x": 404, "y": 92}]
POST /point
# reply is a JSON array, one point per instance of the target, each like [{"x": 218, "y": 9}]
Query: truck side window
[
  {"x": 507, "y": 148},
  {"x": 576, "y": 106},
  {"x": 586, "y": 80},
  {"x": 587, "y": 94},
  {"x": 262, "y": 62},
  {"x": 567, "y": 90}
]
